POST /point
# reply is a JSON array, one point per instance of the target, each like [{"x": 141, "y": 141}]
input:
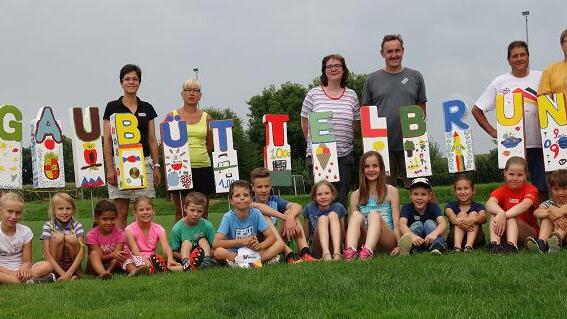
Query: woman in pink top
[{"x": 143, "y": 236}]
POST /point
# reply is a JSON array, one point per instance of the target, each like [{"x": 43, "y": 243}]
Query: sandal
[
  {"x": 457, "y": 249},
  {"x": 337, "y": 256},
  {"x": 327, "y": 257}
]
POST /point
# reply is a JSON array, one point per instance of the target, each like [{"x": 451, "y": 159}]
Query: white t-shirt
[
  {"x": 507, "y": 83},
  {"x": 12, "y": 247}
]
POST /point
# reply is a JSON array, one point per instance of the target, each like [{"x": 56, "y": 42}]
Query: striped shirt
[
  {"x": 55, "y": 226},
  {"x": 345, "y": 110}
]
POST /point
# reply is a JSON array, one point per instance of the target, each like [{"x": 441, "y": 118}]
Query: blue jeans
[{"x": 422, "y": 229}]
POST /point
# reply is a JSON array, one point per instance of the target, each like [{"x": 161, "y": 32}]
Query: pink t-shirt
[
  {"x": 107, "y": 243},
  {"x": 146, "y": 244}
]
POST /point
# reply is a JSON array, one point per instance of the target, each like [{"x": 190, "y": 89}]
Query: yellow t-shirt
[
  {"x": 554, "y": 79},
  {"x": 197, "y": 136}
]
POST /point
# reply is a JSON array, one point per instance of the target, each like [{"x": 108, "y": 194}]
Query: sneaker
[
  {"x": 554, "y": 243},
  {"x": 365, "y": 253},
  {"x": 157, "y": 264},
  {"x": 405, "y": 244},
  {"x": 196, "y": 258},
  {"x": 207, "y": 262},
  {"x": 41, "y": 280},
  {"x": 232, "y": 264},
  {"x": 509, "y": 248},
  {"x": 494, "y": 248},
  {"x": 273, "y": 261},
  {"x": 185, "y": 264},
  {"x": 436, "y": 249},
  {"x": 536, "y": 245},
  {"x": 308, "y": 257},
  {"x": 350, "y": 254},
  {"x": 293, "y": 258}
]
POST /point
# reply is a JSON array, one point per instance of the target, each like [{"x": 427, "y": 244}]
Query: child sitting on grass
[
  {"x": 553, "y": 216},
  {"x": 16, "y": 244},
  {"x": 192, "y": 236},
  {"x": 282, "y": 213},
  {"x": 105, "y": 242},
  {"x": 241, "y": 226},
  {"x": 465, "y": 217},
  {"x": 63, "y": 240},
  {"x": 143, "y": 236},
  {"x": 511, "y": 207},
  {"x": 426, "y": 223},
  {"x": 323, "y": 221}
]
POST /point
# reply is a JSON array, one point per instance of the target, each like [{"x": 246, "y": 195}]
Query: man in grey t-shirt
[{"x": 389, "y": 89}]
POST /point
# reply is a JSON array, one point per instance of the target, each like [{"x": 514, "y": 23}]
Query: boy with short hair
[
  {"x": 553, "y": 216},
  {"x": 421, "y": 223},
  {"x": 240, "y": 227},
  {"x": 192, "y": 236},
  {"x": 274, "y": 209}
]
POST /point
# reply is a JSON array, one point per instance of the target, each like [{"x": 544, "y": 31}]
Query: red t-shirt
[{"x": 508, "y": 198}]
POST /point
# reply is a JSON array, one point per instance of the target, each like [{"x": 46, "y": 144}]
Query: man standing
[
  {"x": 389, "y": 89},
  {"x": 519, "y": 80},
  {"x": 554, "y": 78}
]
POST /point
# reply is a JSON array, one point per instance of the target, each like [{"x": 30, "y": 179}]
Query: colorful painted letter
[
  {"x": 553, "y": 123},
  {"x": 10, "y": 147},
  {"x": 176, "y": 154},
  {"x": 323, "y": 147},
  {"x": 415, "y": 141},
  {"x": 87, "y": 147},
  {"x": 47, "y": 150},
  {"x": 225, "y": 161},
  {"x": 375, "y": 133},
  {"x": 510, "y": 127},
  {"x": 128, "y": 153},
  {"x": 277, "y": 152},
  {"x": 458, "y": 137}
]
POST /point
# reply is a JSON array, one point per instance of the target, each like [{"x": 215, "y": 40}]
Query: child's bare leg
[
  {"x": 512, "y": 231},
  {"x": 323, "y": 229},
  {"x": 387, "y": 240},
  {"x": 185, "y": 250},
  {"x": 223, "y": 253},
  {"x": 204, "y": 244},
  {"x": 56, "y": 244},
  {"x": 493, "y": 236},
  {"x": 277, "y": 248},
  {"x": 300, "y": 238},
  {"x": 471, "y": 236},
  {"x": 458, "y": 236},
  {"x": 8, "y": 279},
  {"x": 374, "y": 230},
  {"x": 96, "y": 262},
  {"x": 41, "y": 268},
  {"x": 545, "y": 229},
  {"x": 72, "y": 244},
  {"x": 278, "y": 235},
  {"x": 335, "y": 228},
  {"x": 524, "y": 231},
  {"x": 353, "y": 230}
]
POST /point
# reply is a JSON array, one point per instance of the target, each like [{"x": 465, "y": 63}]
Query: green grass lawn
[{"x": 474, "y": 285}]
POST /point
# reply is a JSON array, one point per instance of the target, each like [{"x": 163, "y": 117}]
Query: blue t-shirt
[
  {"x": 454, "y": 206},
  {"x": 432, "y": 211},
  {"x": 312, "y": 212},
  {"x": 277, "y": 203},
  {"x": 233, "y": 227}
]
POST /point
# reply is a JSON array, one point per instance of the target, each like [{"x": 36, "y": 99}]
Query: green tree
[{"x": 248, "y": 157}]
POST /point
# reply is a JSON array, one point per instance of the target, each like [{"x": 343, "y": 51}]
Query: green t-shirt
[{"x": 181, "y": 232}]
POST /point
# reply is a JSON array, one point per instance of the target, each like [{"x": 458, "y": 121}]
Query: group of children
[{"x": 260, "y": 226}]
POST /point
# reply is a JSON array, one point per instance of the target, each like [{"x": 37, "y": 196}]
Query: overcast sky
[{"x": 68, "y": 53}]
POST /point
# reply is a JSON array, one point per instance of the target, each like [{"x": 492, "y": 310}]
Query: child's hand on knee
[
  {"x": 416, "y": 240},
  {"x": 429, "y": 238}
]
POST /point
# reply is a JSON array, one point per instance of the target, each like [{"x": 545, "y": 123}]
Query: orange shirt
[{"x": 508, "y": 198}]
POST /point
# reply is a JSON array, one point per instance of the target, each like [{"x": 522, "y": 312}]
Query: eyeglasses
[
  {"x": 194, "y": 91},
  {"x": 334, "y": 66}
]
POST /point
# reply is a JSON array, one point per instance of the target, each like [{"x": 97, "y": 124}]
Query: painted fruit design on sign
[{"x": 51, "y": 165}]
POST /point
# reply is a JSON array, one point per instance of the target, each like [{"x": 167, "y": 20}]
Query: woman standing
[
  {"x": 334, "y": 96},
  {"x": 130, "y": 78},
  {"x": 200, "y": 144}
]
